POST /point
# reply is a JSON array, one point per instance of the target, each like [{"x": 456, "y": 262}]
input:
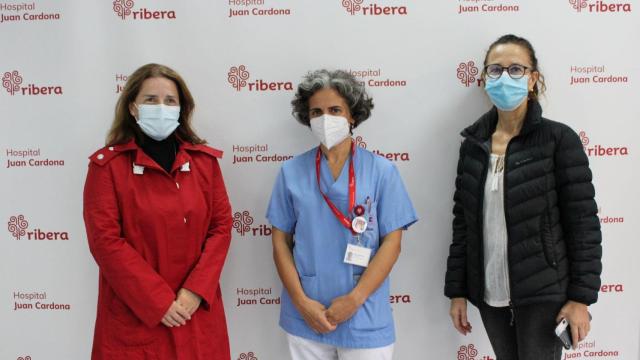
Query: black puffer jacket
[{"x": 553, "y": 230}]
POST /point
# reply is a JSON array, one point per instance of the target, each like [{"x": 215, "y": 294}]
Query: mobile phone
[{"x": 563, "y": 332}]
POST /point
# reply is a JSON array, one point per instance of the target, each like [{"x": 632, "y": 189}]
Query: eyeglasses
[{"x": 515, "y": 71}]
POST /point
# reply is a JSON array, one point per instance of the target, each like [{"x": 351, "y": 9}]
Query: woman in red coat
[{"x": 159, "y": 223}]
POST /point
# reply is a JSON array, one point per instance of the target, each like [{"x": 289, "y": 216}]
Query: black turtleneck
[{"x": 162, "y": 152}]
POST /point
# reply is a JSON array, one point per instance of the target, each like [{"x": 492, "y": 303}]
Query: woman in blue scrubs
[{"x": 337, "y": 213}]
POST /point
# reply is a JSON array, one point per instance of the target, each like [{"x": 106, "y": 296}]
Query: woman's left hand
[
  {"x": 342, "y": 309},
  {"x": 578, "y": 317},
  {"x": 189, "y": 300}
]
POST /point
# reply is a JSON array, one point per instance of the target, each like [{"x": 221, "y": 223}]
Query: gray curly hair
[{"x": 353, "y": 92}]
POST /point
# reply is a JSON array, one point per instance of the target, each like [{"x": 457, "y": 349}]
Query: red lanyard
[{"x": 345, "y": 221}]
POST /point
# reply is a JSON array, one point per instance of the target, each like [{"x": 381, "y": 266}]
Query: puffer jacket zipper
[{"x": 480, "y": 214}]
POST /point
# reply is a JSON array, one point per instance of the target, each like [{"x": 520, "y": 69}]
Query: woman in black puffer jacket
[{"x": 526, "y": 237}]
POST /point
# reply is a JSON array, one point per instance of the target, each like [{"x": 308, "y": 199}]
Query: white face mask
[
  {"x": 330, "y": 130},
  {"x": 158, "y": 121}
]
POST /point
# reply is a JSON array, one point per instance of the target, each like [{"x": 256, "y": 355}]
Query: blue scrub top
[{"x": 320, "y": 240}]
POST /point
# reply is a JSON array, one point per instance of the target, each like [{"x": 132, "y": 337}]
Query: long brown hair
[{"x": 124, "y": 127}]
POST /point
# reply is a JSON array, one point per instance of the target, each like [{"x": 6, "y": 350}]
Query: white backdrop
[{"x": 63, "y": 63}]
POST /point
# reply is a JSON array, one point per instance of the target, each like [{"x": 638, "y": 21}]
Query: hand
[
  {"x": 578, "y": 317},
  {"x": 342, "y": 309},
  {"x": 314, "y": 314},
  {"x": 189, "y": 300},
  {"x": 176, "y": 315},
  {"x": 458, "y": 313}
]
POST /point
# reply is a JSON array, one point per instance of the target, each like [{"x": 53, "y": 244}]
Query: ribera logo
[
  {"x": 598, "y": 150},
  {"x": 612, "y": 288},
  {"x": 18, "y": 226},
  {"x": 254, "y": 8},
  {"x": 467, "y": 73},
  {"x": 360, "y": 142},
  {"x": 357, "y": 7},
  {"x": 16, "y": 12},
  {"x": 352, "y": 6},
  {"x": 259, "y": 153},
  {"x": 12, "y": 82},
  {"x": 578, "y": 5},
  {"x": 400, "y": 299},
  {"x": 373, "y": 78},
  {"x": 247, "y": 356},
  {"x": 597, "y": 75},
  {"x": 256, "y": 296},
  {"x": 238, "y": 77},
  {"x": 599, "y": 6},
  {"x": 469, "y": 352},
  {"x": 392, "y": 156},
  {"x": 487, "y": 6},
  {"x": 243, "y": 224},
  {"x": 124, "y": 10}
]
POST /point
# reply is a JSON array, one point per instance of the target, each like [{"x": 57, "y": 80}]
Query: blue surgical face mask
[
  {"x": 158, "y": 121},
  {"x": 507, "y": 93}
]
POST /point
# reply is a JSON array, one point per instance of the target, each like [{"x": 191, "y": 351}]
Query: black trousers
[{"x": 530, "y": 335}]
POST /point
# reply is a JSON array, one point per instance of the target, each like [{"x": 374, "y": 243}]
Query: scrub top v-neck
[{"x": 320, "y": 240}]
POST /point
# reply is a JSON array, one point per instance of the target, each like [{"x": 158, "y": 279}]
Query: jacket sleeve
[
  {"x": 578, "y": 215},
  {"x": 205, "y": 276},
  {"x": 456, "y": 276},
  {"x": 133, "y": 280}
]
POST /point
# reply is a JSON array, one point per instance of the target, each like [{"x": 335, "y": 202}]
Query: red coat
[{"x": 151, "y": 234}]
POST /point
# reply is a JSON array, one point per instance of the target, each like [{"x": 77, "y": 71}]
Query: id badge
[{"x": 357, "y": 255}]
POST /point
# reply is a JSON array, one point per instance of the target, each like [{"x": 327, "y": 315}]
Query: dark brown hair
[
  {"x": 539, "y": 87},
  {"x": 124, "y": 127}
]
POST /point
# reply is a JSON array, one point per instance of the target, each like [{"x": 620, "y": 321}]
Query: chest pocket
[{"x": 370, "y": 237}]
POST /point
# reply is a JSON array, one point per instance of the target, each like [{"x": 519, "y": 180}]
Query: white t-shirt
[{"x": 496, "y": 267}]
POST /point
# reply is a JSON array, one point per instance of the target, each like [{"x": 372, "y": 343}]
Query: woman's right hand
[
  {"x": 315, "y": 315},
  {"x": 176, "y": 315},
  {"x": 458, "y": 313}
]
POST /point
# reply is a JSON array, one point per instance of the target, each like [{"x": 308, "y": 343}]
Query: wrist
[
  {"x": 578, "y": 304},
  {"x": 299, "y": 301},
  {"x": 357, "y": 296},
  {"x": 192, "y": 293}
]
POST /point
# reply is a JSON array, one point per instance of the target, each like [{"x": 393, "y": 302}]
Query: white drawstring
[{"x": 497, "y": 173}]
